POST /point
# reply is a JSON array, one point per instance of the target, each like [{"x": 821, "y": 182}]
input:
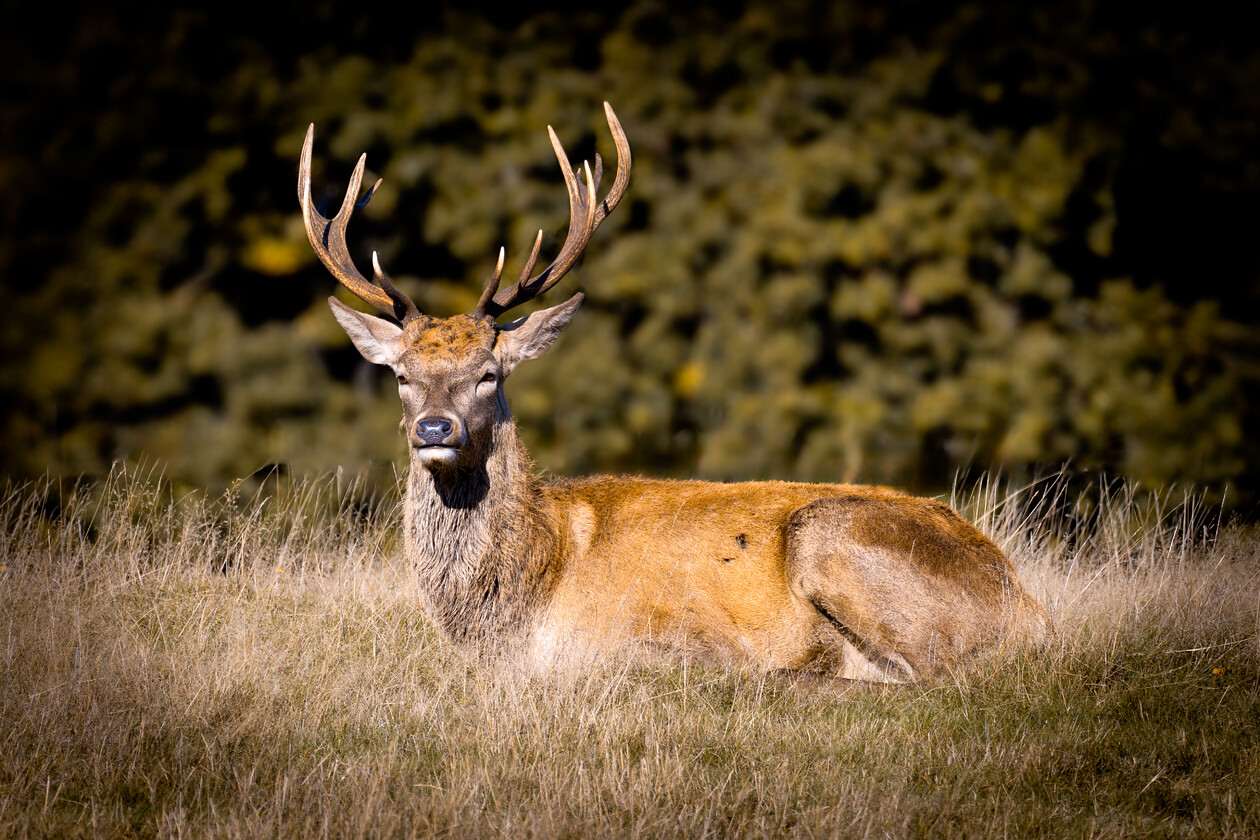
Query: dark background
[{"x": 877, "y": 244}]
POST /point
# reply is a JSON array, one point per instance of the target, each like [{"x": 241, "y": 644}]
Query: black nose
[{"x": 433, "y": 430}]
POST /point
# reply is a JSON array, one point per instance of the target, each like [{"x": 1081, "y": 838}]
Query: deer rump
[{"x": 854, "y": 581}]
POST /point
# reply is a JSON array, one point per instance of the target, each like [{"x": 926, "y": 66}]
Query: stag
[{"x": 854, "y": 581}]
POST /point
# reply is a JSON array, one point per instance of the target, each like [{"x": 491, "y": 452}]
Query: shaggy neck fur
[{"x": 481, "y": 539}]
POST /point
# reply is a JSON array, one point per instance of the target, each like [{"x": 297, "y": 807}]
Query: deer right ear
[{"x": 375, "y": 338}]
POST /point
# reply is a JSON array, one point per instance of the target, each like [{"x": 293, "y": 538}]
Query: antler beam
[
  {"x": 585, "y": 214},
  {"x": 328, "y": 238}
]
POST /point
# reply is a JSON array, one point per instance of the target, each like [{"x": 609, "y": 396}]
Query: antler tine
[
  {"x": 533, "y": 258},
  {"x": 404, "y": 309},
  {"x": 585, "y": 214},
  {"x": 599, "y": 171},
  {"x": 622, "y": 180},
  {"x": 486, "y": 305},
  {"x": 328, "y": 238},
  {"x": 492, "y": 286}
]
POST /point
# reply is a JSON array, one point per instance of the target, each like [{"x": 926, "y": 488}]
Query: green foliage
[{"x": 856, "y": 246}]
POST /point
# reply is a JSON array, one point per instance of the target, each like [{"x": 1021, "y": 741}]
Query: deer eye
[
  {"x": 402, "y": 379},
  {"x": 489, "y": 377}
]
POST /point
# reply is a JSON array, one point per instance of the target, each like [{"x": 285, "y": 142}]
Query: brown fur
[{"x": 859, "y": 582}]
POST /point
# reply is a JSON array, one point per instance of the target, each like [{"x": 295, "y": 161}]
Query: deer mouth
[{"x": 437, "y": 453}]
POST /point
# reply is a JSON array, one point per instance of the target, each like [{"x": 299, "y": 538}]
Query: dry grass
[{"x": 179, "y": 666}]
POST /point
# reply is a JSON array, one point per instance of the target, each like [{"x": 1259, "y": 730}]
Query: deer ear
[
  {"x": 375, "y": 338},
  {"x": 531, "y": 336}
]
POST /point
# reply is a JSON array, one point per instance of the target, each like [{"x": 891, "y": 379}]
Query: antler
[
  {"x": 328, "y": 238},
  {"x": 585, "y": 214}
]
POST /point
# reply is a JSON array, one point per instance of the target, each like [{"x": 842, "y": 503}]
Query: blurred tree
[{"x": 862, "y": 244}]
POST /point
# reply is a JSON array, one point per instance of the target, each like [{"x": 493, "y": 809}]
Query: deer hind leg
[{"x": 904, "y": 586}]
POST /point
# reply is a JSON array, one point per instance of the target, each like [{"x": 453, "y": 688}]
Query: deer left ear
[
  {"x": 531, "y": 336},
  {"x": 375, "y": 338}
]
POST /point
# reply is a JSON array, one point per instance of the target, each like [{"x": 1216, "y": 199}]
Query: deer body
[
  {"x": 853, "y": 580},
  {"x": 860, "y": 582}
]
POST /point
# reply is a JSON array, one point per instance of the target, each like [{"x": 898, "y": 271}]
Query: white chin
[{"x": 437, "y": 456}]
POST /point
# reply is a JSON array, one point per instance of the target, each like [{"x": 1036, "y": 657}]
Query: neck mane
[{"x": 482, "y": 542}]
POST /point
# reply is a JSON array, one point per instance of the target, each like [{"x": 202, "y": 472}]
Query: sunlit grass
[{"x": 257, "y": 664}]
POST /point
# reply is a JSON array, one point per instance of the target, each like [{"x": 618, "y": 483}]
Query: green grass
[{"x": 182, "y": 666}]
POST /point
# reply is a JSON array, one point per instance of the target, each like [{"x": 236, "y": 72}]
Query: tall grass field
[{"x": 257, "y": 664}]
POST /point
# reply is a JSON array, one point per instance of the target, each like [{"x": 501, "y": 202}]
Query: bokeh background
[{"x": 882, "y": 242}]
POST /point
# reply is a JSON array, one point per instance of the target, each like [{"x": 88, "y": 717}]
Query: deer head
[{"x": 450, "y": 371}]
